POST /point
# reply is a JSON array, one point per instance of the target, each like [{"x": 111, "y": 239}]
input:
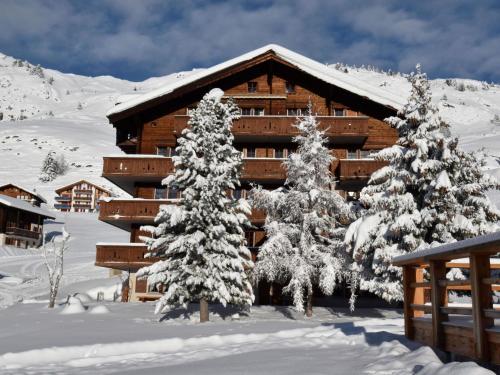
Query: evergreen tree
[
  {"x": 202, "y": 239},
  {"x": 49, "y": 170},
  {"x": 420, "y": 199},
  {"x": 305, "y": 222}
]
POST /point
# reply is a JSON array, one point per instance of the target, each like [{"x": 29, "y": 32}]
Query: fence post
[
  {"x": 412, "y": 274},
  {"x": 439, "y": 295},
  {"x": 481, "y": 299}
]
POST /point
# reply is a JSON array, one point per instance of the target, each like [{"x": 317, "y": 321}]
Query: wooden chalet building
[
  {"x": 272, "y": 86},
  {"x": 21, "y": 223},
  {"x": 80, "y": 196},
  {"x": 16, "y": 191}
]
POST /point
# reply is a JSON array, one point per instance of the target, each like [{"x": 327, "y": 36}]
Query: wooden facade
[
  {"x": 465, "y": 329},
  {"x": 19, "y": 192},
  {"x": 80, "y": 196},
  {"x": 271, "y": 94},
  {"x": 21, "y": 223}
]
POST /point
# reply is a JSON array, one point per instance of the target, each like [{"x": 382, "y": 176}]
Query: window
[
  {"x": 352, "y": 154},
  {"x": 340, "y": 112},
  {"x": 292, "y": 112},
  {"x": 252, "y": 86},
  {"x": 249, "y": 152},
  {"x": 252, "y": 111},
  {"x": 289, "y": 87},
  {"x": 304, "y": 111},
  {"x": 279, "y": 153},
  {"x": 172, "y": 193},
  {"x": 237, "y": 193},
  {"x": 160, "y": 193},
  {"x": 167, "y": 151},
  {"x": 365, "y": 154}
]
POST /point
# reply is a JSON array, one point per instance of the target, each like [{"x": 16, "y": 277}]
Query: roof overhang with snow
[
  {"x": 272, "y": 51},
  {"x": 24, "y": 206},
  {"x": 34, "y": 193}
]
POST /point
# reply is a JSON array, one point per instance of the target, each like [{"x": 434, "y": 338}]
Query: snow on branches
[
  {"x": 305, "y": 222},
  {"x": 201, "y": 241},
  {"x": 430, "y": 193}
]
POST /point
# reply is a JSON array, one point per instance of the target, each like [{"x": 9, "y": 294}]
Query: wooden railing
[
  {"x": 21, "y": 232},
  {"x": 145, "y": 210},
  {"x": 467, "y": 330},
  {"x": 122, "y": 256},
  {"x": 283, "y": 125},
  {"x": 359, "y": 168},
  {"x": 253, "y": 168},
  {"x": 137, "y": 166}
]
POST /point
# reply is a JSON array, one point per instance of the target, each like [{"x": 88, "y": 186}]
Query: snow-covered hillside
[{"x": 43, "y": 109}]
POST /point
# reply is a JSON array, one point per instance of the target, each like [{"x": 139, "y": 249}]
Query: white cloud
[{"x": 151, "y": 37}]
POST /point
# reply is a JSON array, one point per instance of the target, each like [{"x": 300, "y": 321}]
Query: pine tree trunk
[
  {"x": 203, "y": 310},
  {"x": 309, "y": 306}
]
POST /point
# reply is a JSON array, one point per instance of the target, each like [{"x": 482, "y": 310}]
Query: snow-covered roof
[
  {"x": 24, "y": 206},
  {"x": 26, "y": 190},
  {"x": 80, "y": 182},
  {"x": 456, "y": 248},
  {"x": 312, "y": 67}
]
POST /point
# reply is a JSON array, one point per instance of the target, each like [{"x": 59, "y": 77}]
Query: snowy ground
[{"x": 89, "y": 337}]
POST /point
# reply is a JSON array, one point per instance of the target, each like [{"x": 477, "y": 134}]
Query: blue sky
[{"x": 137, "y": 39}]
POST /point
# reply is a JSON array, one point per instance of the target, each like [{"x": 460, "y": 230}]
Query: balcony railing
[
  {"x": 359, "y": 169},
  {"x": 20, "y": 232},
  {"x": 124, "y": 212},
  {"x": 122, "y": 256},
  {"x": 283, "y": 126},
  {"x": 124, "y": 171},
  {"x": 62, "y": 198}
]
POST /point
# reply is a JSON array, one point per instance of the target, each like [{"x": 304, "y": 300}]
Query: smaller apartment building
[{"x": 81, "y": 196}]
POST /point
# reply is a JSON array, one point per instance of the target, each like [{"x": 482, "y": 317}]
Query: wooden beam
[
  {"x": 439, "y": 298},
  {"x": 412, "y": 296},
  {"x": 425, "y": 285},
  {"x": 481, "y": 300}
]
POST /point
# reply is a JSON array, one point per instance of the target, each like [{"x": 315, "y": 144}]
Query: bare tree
[{"x": 55, "y": 262}]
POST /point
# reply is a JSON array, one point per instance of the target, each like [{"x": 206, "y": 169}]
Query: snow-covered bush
[
  {"x": 305, "y": 222},
  {"x": 53, "y": 166},
  {"x": 430, "y": 193},
  {"x": 202, "y": 240}
]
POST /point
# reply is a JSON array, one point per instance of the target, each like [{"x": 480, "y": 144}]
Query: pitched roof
[
  {"x": 312, "y": 67},
  {"x": 24, "y": 206},
  {"x": 83, "y": 181},
  {"x": 26, "y": 190}
]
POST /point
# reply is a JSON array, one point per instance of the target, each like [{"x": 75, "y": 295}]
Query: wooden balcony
[
  {"x": 125, "y": 170},
  {"x": 126, "y": 257},
  {"x": 353, "y": 174},
  {"x": 123, "y": 213},
  {"x": 263, "y": 169},
  {"x": 340, "y": 130},
  {"x": 22, "y": 233}
]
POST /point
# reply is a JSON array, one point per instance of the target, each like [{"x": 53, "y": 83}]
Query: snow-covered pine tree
[
  {"x": 49, "y": 168},
  {"x": 305, "y": 222},
  {"x": 420, "y": 198},
  {"x": 201, "y": 240}
]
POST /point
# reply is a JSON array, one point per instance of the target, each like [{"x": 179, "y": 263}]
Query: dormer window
[
  {"x": 252, "y": 86},
  {"x": 290, "y": 87}
]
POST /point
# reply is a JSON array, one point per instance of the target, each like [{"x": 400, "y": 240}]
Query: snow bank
[
  {"x": 109, "y": 293},
  {"x": 424, "y": 362},
  {"x": 100, "y": 309},
  {"x": 73, "y": 306},
  {"x": 391, "y": 357}
]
